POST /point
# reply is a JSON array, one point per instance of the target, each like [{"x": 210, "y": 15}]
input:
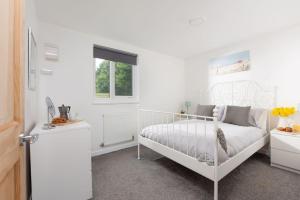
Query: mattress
[{"x": 190, "y": 137}]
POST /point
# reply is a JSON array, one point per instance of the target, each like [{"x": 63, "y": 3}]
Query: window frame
[{"x": 113, "y": 99}]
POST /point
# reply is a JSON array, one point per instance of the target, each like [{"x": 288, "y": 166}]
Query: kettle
[{"x": 64, "y": 111}]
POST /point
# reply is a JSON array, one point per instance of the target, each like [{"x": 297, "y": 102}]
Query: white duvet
[{"x": 188, "y": 136}]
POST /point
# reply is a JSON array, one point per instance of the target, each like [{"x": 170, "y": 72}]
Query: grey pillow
[
  {"x": 205, "y": 110},
  {"x": 237, "y": 115}
]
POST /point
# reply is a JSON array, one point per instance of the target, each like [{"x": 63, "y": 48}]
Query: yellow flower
[
  {"x": 283, "y": 111},
  {"x": 275, "y": 111},
  {"x": 292, "y": 110}
]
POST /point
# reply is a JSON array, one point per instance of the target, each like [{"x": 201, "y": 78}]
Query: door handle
[{"x": 28, "y": 139}]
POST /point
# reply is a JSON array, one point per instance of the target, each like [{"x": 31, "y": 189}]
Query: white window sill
[{"x": 100, "y": 102}]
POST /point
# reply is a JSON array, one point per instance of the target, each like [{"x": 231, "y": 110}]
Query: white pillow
[
  {"x": 219, "y": 112},
  {"x": 258, "y": 117}
]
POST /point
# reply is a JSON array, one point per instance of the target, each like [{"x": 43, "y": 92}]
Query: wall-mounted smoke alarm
[
  {"x": 197, "y": 21},
  {"x": 51, "y": 52}
]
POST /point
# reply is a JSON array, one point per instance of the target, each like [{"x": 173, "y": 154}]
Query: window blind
[{"x": 114, "y": 55}]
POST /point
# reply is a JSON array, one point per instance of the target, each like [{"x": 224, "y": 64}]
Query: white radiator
[{"x": 118, "y": 128}]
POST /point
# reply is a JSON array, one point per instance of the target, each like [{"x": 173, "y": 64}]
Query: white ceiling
[{"x": 162, "y": 25}]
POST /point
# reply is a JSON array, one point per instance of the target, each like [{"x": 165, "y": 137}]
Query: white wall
[
  {"x": 275, "y": 61},
  {"x": 161, "y": 77},
  {"x": 31, "y": 97}
]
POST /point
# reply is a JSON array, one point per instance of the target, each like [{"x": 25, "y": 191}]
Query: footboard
[
  {"x": 159, "y": 131},
  {"x": 190, "y": 140}
]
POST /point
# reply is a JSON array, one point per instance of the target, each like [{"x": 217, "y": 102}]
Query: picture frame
[
  {"x": 230, "y": 63},
  {"x": 32, "y": 60}
]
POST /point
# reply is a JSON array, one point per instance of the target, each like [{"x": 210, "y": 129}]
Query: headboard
[{"x": 242, "y": 93}]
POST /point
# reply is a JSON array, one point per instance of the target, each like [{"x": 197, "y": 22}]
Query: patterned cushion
[
  {"x": 209, "y": 159},
  {"x": 222, "y": 139}
]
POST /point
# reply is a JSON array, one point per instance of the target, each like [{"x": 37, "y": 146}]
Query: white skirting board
[
  {"x": 285, "y": 168},
  {"x": 110, "y": 149}
]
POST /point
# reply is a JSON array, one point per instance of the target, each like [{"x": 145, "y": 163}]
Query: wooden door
[{"x": 12, "y": 173}]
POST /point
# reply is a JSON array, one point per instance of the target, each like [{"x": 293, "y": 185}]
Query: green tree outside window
[
  {"x": 123, "y": 78},
  {"x": 103, "y": 79}
]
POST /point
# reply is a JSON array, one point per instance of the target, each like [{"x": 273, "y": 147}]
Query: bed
[
  {"x": 188, "y": 137},
  {"x": 194, "y": 141}
]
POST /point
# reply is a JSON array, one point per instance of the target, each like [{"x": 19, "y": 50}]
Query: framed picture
[
  {"x": 232, "y": 63},
  {"x": 32, "y": 60}
]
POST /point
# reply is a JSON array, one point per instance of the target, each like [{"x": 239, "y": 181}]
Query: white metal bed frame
[{"x": 240, "y": 93}]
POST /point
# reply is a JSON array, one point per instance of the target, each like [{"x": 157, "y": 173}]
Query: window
[
  {"x": 123, "y": 79},
  {"x": 115, "y": 76},
  {"x": 102, "y": 78}
]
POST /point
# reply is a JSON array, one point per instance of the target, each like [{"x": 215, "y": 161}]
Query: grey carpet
[{"x": 120, "y": 176}]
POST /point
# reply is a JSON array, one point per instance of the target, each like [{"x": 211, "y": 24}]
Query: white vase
[{"x": 283, "y": 122}]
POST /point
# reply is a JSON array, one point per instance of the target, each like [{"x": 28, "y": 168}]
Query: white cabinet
[
  {"x": 61, "y": 163},
  {"x": 285, "y": 150}
]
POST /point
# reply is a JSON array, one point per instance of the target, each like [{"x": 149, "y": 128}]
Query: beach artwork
[{"x": 232, "y": 63}]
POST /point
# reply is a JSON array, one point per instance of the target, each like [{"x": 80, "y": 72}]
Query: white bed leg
[
  {"x": 216, "y": 160},
  {"x": 138, "y": 152},
  {"x": 215, "y": 190}
]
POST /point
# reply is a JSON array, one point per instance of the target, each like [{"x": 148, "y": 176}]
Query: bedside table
[{"x": 285, "y": 151}]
